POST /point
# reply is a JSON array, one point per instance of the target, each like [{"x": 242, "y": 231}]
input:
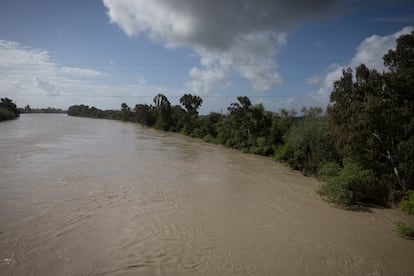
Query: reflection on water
[{"x": 95, "y": 197}]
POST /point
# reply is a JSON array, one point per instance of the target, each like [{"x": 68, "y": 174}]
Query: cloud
[
  {"x": 250, "y": 56},
  {"x": 204, "y": 80},
  {"x": 369, "y": 52},
  {"x": 46, "y": 86},
  {"x": 231, "y": 35},
  {"x": 372, "y": 49},
  {"x": 25, "y": 71},
  {"x": 210, "y": 24},
  {"x": 15, "y": 59},
  {"x": 81, "y": 72},
  {"x": 29, "y": 76}
]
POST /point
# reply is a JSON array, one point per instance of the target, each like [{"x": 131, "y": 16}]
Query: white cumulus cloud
[
  {"x": 46, "y": 86},
  {"x": 243, "y": 36},
  {"x": 29, "y": 76},
  {"x": 17, "y": 60},
  {"x": 369, "y": 52}
]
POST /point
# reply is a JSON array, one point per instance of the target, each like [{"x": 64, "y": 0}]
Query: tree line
[
  {"x": 362, "y": 148},
  {"x": 8, "y": 110},
  {"x": 27, "y": 109}
]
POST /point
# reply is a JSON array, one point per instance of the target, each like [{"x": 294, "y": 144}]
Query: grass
[{"x": 404, "y": 230}]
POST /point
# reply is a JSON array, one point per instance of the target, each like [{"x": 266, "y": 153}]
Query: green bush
[
  {"x": 348, "y": 185},
  {"x": 404, "y": 230},
  {"x": 307, "y": 143},
  {"x": 280, "y": 151},
  {"x": 262, "y": 147},
  {"x": 407, "y": 204},
  {"x": 6, "y": 114},
  {"x": 210, "y": 139},
  {"x": 328, "y": 170}
]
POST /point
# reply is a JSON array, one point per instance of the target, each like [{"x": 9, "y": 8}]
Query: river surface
[{"x": 96, "y": 197}]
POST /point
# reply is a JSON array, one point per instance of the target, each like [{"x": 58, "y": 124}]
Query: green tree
[
  {"x": 179, "y": 119},
  {"x": 143, "y": 114},
  {"x": 188, "y": 120},
  {"x": 234, "y": 131},
  {"x": 281, "y": 123},
  {"x": 162, "y": 112},
  {"x": 125, "y": 112},
  {"x": 191, "y": 103},
  {"x": 161, "y": 101},
  {"x": 373, "y": 117},
  {"x": 259, "y": 123},
  {"x": 208, "y": 126},
  {"x": 308, "y": 145},
  {"x": 8, "y": 110}
]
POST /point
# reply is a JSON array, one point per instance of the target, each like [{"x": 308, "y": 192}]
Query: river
[{"x": 85, "y": 196}]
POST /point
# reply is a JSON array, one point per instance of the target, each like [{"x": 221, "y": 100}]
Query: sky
[{"x": 284, "y": 54}]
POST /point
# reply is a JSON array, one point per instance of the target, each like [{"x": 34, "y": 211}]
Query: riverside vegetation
[
  {"x": 362, "y": 149},
  {"x": 8, "y": 110}
]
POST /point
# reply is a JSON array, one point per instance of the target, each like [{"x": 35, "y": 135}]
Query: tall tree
[
  {"x": 125, "y": 112},
  {"x": 161, "y": 101},
  {"x": 191, "y": 103},
  {"x": 163, "y": 112},
  {"x": 188, "y": 120},
  {"x": 373, "y": 116}
]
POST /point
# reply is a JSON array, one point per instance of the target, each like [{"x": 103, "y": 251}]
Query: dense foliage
[
  {"x": 8, "y": 110},
  {"x": 307, "y": 143},
  {"x": 349, "y": 184},
  {"x": 363, "y": 150},
  {"x": 28, "y": 109},
  {"x": 372, "y": 120},
  {"x": 407, "y": 204},
  {"x": 246, "y": 127}
]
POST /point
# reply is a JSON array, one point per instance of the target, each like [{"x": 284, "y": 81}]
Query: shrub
[
  {"x": 348, "y": 185},
  {"x": 280, "y": 151},
  {"x": 6, "y": 114},
  {"x": 210, "y": 139},
  {"x": 308, "y": 145},
  {"x": 262, "y": 147},
  {"x": 404, "y": 230},
  {"x": 328, "y": 170},
  {"x": 407, "y": 204}
]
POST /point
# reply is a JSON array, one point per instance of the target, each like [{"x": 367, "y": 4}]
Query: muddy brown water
[{"x": 96, "y": 197}]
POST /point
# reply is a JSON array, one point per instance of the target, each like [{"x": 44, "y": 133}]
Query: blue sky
[{"x": 102, "y": 53}]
